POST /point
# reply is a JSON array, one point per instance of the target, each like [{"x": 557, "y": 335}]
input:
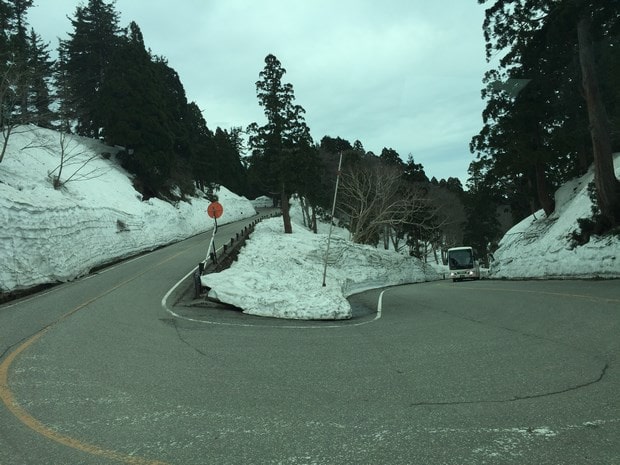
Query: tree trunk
[
  {"x": 547, "y": 202},
  {"x": 5, "y": 142},
  {"x": 607, "y": 186},
  {"x": 286, "y": 214},
  {"x": 314, "y": 225},
  {"x": 304, "y": 212}
]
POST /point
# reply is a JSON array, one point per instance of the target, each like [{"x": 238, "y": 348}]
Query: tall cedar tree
[
  {"x": 85, "y": 63},
  {"x": 277, "y": 145},
  {"x": 534, "y": 133}
]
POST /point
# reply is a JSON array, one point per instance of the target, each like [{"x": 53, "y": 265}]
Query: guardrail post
[{"x": 197, "y": 284}]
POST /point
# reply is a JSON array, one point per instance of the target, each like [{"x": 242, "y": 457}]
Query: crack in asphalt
[
  {"x": 178, "y": 332},
  {"x": 517, "y": 398},
  {"x": 520, "y": 398}
]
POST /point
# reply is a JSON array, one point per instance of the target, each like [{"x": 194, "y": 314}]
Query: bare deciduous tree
[
  {"x": 75, "y": 159},
  {"x": 376, "y": 200}
]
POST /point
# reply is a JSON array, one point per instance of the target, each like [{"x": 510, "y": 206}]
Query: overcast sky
[{"x": 402, "y": 74}]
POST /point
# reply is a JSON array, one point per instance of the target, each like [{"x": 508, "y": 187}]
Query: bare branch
[{"x": 73, "y": 158}]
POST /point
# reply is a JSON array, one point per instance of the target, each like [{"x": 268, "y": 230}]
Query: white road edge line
[
  {"x": 380, "y": 304},
  {"x": 164, "y": 304}
]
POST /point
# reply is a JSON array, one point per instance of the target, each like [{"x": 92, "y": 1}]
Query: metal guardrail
[{"x": 224, "y": 257}]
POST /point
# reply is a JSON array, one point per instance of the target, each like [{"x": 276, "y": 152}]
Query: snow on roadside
[
  {"x": 281, "y": 275},
  {"x": 540, "y": 247},
  {"x": 49, "y": 235}
]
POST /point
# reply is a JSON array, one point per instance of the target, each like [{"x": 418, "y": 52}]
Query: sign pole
[
  {"x": 212, "y": 243},
  {"x": 214, "y": 210}
]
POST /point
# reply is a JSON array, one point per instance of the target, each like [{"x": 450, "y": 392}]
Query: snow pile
[
  {"x": 49, "y": 235},
  {"x": 281, "y": 275},
  {"x": 541, "y": 247}
]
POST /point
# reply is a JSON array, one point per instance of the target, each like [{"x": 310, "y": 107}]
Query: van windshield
[{"x": 460, "y": 259}]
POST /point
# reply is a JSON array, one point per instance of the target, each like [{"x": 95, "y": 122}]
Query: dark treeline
[
  {"x": 107, "y": 85},
  {"x": 552, "y": 106}
]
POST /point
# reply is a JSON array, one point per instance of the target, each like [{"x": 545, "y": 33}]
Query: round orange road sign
[{"x": 215, "y": 210}]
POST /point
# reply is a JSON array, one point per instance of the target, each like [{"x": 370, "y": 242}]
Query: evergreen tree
[
  {"x": 482, "y": 228},
  {"x": 140, "y": 110},
  {"x": 481, "y": 200},
  {"x": 335, "y": 145},
  {"x": 390, "y": 157},
  {"x": 276, "y": 145},
  {"x": 414, "y": 172},
  {"x": 25, "y": 69},
  {"x": 201, "y": 147},
  {"x": 18, "y": 45},
  {"x": 85, "y": 62},
  {"x": 228, "y": 169},
  {"x": 7, "y": 77},
  {"x": 536, "y": 118},
  {"x": 40, "y": 71}
]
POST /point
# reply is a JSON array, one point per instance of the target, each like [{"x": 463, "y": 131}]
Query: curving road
[{"x": 119, "y": 368}]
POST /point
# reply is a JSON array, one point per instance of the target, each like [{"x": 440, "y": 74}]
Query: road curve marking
[{"x": 164, "y": 304}]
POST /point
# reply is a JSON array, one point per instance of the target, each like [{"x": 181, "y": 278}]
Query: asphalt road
[{"x": 486, "y": 372}]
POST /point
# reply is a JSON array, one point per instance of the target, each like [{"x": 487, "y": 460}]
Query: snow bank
[
  {"x": 49, "y": 235},
  {"x": 540, "y": 247},
  {"x": 281, "y": 275}
]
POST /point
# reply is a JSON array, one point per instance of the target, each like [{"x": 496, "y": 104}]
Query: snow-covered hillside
[
  {"x": 541, "y": 247},
  {"x": 49, "y": 235}
]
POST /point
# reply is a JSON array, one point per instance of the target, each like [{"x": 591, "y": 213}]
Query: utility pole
[{"x": 331, "y": 222}]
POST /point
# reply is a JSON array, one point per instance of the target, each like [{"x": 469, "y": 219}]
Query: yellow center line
[
  {"x": 7, "y": 397},
  {"x": 23, "y": 416}
]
